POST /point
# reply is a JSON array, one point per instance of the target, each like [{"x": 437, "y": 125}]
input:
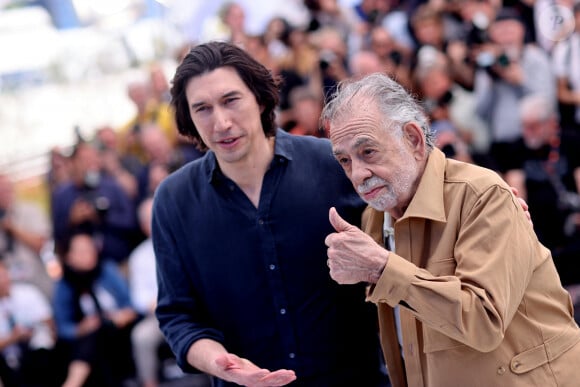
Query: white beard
[{"x": 399, "y": 186}]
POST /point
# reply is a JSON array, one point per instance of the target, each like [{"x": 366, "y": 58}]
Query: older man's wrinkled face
[{"x": 379, "y": 162}]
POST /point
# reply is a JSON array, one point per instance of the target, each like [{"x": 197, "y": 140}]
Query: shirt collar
[
  {"x": 428, "y": 200},
  {"x": 283, "y": 149}
]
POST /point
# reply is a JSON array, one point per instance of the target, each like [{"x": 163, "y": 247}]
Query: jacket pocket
[{"x": 435, "y": 341}]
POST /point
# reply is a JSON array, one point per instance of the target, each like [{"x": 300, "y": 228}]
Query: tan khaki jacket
[{"x": 481, "y": 302}]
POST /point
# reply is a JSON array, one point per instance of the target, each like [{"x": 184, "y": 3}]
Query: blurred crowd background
[{"x": 88, "y": 134}]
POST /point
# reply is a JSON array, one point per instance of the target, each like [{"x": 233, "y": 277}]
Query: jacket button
[{"x": 501, "y": 370}]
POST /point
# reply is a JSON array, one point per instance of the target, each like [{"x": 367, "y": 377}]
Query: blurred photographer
[
  {"x": 545, "y": 168},
  {"x": 96, "y": 204},
  {"x": 24, "y": 231},
  {"x": 395, "y": 59},
  {"x": 508, "y": 70},
  {"x": 471, "y": 31},
  {"x": 332, "y": 59},
  {"x": 451, "y": 108}
]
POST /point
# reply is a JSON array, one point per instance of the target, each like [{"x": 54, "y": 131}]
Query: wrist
[{"x": 375, "y": 274}]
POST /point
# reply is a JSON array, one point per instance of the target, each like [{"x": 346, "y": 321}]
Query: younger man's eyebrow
[{"x": 225, "y": 95}]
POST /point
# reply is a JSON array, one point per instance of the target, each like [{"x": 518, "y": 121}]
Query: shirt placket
[{"x": 272, "y": 264}]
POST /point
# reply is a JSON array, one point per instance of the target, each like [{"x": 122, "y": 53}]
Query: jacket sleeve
[{"x": 495, "y": 256}]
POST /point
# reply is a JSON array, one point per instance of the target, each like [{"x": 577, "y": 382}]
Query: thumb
[{"x": 337, "y": 222}]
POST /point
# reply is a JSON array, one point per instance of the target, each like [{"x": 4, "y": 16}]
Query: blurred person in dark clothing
[
  {"x": 450, "y": 106},
  {"x": 94, "y": 315},
  {"x": 545, "y": 168},
  {"x": 508, "y": 69},
  {"x": 244, "y": 291},
  {"x": 124, "y": 168},
  {"x": 95, "y": 203}
]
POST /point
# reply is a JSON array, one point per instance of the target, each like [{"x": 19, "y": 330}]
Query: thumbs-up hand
[{"x": 353, "y": 256}]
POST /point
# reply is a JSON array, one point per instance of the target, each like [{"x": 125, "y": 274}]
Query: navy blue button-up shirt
[{"x": 255, "y": 279}]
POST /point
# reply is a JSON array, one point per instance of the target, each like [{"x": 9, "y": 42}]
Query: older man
[{"x": 479, "y": 299}]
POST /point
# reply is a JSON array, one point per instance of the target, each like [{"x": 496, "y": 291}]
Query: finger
[
  {"x": 328, "y": 239},
  {"x": 337, "y": 222},
  {"x": 278, "y": 378}
]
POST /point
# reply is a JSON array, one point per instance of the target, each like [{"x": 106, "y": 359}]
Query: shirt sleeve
[
  {"x": 494, "y": 256},
  {"x": 180, "y": 314}
]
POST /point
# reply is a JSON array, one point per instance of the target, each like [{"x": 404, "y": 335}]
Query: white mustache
[{"x": 370, "y": 184}]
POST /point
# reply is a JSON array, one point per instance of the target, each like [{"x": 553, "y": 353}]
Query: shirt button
[
  {"x": 291, "y": 355},
  {"x": 272, "y": 267},
  {"x": 231, "y": 187},
  {"x": 261, "y": 221},
  {"x": 501, "y": 370},
  {"x": 282, "y": 311}
]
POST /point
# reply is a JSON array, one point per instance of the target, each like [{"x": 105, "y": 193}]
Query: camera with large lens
[
  {"x": 91, "y": 194},
  {"x": 486, "y": 59}
]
